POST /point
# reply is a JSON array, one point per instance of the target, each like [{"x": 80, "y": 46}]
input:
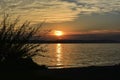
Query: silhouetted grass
[{"x": 13, "y": 41}]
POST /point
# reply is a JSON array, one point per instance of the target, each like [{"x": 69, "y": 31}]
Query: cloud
[
  {"x": 37, "y": 10},
  {"x": 97, "y": 6},
  {"x": 58, "y": 10}
]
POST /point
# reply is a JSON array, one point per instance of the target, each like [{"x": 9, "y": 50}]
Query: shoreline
[{"x": 83, "y": 73}]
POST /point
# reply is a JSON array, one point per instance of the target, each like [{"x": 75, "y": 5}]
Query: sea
[{"x": 61, "y": 55}]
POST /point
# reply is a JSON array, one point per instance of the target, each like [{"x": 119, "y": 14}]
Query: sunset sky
[{"x": 70, "y": 16}]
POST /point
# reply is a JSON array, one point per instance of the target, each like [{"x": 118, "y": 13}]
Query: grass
[{"x": 13, "y": 39}]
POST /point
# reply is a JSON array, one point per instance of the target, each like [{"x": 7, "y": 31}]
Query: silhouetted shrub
[{"x": 14, "y": 38}]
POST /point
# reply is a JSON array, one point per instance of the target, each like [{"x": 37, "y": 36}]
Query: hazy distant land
[
  {"x": 74, "y": 41},
  {"x": 80, "y": 38}
]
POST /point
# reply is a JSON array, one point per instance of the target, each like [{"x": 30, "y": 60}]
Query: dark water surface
[{"x": 80, "y": 55}]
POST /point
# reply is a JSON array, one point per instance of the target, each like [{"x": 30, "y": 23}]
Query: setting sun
[{"x": 58, "y": 33}]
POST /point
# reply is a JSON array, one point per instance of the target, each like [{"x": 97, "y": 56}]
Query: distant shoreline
[
  {"x": 64, "y": 41},
  {"x": 74, "y": 41}
]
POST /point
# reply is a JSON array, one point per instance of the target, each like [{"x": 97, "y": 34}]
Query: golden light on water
[
  {"x": 59, "y": 55},
  {"x": 58, "y": 48}
]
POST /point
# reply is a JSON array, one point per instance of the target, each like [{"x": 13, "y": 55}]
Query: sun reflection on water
[{"x": 59, "y": 55}]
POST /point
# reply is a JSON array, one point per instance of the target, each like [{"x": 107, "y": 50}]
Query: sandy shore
[{"x": 85, "y": 73}]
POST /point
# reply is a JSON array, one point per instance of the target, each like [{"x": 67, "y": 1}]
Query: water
[{"x": 80, "y": 55}]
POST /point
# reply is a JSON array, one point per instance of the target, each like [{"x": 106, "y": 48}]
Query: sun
[{"x": 58, "y": 33}]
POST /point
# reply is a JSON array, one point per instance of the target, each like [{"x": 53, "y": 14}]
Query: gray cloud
[
  {"x": 58, "y": 10},
  {"x": 97, "y": 6}
]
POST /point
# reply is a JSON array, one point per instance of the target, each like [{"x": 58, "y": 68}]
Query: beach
[{"x": 85, "y": 73}]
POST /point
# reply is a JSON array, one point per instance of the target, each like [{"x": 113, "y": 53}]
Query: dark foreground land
[{"x": 86, "y": 73}]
